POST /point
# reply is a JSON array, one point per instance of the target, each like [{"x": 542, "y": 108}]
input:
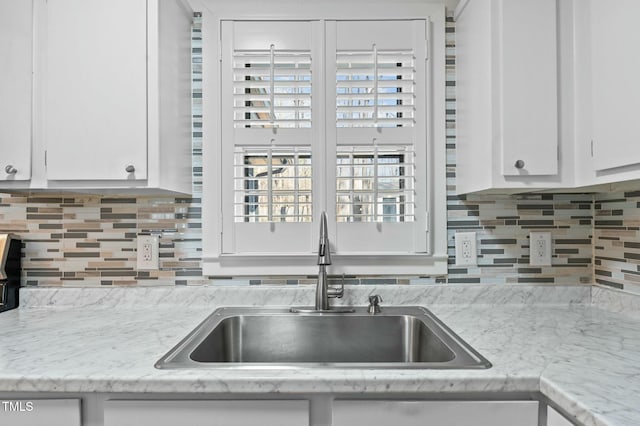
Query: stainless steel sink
[{"x": 398, "y": 337}]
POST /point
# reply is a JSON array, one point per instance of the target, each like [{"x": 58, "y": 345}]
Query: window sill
[{"x": 305, "y": 264}]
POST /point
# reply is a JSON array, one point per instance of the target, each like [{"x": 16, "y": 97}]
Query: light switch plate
[
  {"x": 148, "y": 248},
  {"x": 466, "y": 249},
  {"x": 540, "y": 248}
]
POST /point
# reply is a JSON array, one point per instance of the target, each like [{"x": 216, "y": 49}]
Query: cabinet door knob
[
  {"x": 10, "y": 170},
  {"x": 519, "y": 164},
  {"x": 130, "y": 168}
]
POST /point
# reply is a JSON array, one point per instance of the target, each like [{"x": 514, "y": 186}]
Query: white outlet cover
[
  {"x": 148, "y": 248},
  {"x": 466, "y": 249},
  {"x": 540, "y": 248}
]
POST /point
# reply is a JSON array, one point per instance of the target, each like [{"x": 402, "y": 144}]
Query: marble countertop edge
[
  {"x": 572, "y": 407},
  {"x": 356, "y": 383}
]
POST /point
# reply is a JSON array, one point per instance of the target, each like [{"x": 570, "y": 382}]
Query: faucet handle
[
  {"x": 336, "y": 292},
  {"x": 374, "y": 304}
]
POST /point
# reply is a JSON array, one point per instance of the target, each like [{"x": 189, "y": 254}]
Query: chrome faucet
[{"x": 323, "y": 291}]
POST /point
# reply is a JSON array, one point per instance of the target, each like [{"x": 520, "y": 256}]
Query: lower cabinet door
[
  {"x": 556, "y": 419},
  {"x": 435, "y": 413},
  {"x": 209, "y": 413},
  {"x": 40, "y": 412}
]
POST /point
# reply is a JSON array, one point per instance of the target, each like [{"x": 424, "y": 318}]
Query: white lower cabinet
[
  {"x": 209, "y": 413},
  {"x": 556, "y": 419},
  {"x": 435, "y": 413},
  {"x": 40, "y": 412}
]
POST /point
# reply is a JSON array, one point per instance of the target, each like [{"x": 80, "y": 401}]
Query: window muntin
[
  {"x": 272, "y": 88},
  {"x": 375, "y": 88},
  {"x": 375, "y": 184},
  {"x": 273, "y": 185}
]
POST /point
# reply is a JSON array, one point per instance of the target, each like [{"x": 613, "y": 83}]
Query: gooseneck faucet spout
[
  {"x": 324, "y": 251},
  {"x": 323, "y": 291},
  {"x": 324, "y": 259}
]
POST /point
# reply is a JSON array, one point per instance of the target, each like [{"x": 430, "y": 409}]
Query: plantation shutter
[
  {"x": 269, "y": 149},
  {"x": 377, "y": 135}
]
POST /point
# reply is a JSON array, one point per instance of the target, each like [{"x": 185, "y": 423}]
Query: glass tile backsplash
[
  {"x": 73, "y": 240},
  {"x": 616, "y": 245}
]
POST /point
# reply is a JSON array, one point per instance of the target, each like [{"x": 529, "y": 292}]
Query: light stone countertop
[{"x": 548, "y": 339}]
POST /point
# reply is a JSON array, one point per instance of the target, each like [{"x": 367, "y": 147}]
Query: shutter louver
[
  {"x": 375, "y": 88},
  {"x": 272, "y": 88}
]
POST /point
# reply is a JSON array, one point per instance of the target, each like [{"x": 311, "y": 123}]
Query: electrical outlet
[
  {"x": 466, "y": 248},
  {"x": 540, "y": 248},
  {"x": 148, "y": 248}
]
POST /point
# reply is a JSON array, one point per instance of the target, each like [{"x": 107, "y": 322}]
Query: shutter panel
[
  {"x": 380, "y": 133},
  {"x": 267, "y": 137}
]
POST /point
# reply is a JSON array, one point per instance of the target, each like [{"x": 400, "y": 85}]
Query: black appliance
[{"x": 10, "y": 254}]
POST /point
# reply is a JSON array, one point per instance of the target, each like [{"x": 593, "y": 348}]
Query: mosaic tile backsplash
[
  {"x": 616, "y": 246},
  {"x": 90, "y": 240}
]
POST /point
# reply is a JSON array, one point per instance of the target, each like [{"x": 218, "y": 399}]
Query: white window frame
[{"x": 430, "y": 259}]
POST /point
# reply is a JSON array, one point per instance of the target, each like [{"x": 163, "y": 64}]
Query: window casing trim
[{"x": 217, "y": 263}]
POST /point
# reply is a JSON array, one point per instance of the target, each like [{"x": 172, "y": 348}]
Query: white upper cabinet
[
  {"x": 615, "y": 65},
  {"x": 607, "y": 92},
  {"x": 507, "y": 94},
  {"x": 111, "y": 95},
  {"x": 16, "y": 65},
  {"x": 527, "y": 87},
  {"x": 547, "y": 95},
  {"x": 96, "y": 89},
  {"x": 117, "y": 94}
]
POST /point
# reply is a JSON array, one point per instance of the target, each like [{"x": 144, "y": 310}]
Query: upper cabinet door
[
  {"x": 507, "y": 97},
  {"x": 615, "y": 82},
  {"x": 16, "y": 64},
  {"x": 96, "y": 89},
  {"x": 528, "y": 86}
]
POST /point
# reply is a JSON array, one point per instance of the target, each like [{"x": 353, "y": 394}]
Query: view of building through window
[{"x": 375, "y": 186}]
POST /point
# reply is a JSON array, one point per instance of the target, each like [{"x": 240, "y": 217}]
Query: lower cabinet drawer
[
  {"x": 209, "y": 413},
  {"x": 40, "y": 412},
  {"x": 435, "y": 413}
]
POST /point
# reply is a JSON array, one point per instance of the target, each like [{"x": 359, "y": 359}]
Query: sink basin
[{"x": 398, "y": 337}]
